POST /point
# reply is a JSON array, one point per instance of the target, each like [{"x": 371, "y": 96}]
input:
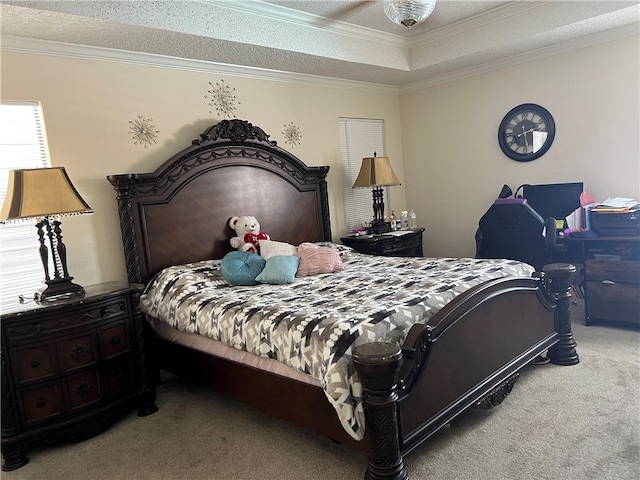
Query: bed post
[
  {"x": 146, "y": 403},
  {"x": 122, "y": 185},
  {"x": 378, "y": 365},
  {"x": 561, "y": 276}
]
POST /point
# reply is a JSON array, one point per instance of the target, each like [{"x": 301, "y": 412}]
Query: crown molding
[
  {"x": 66, "y": 50},
  {"x": 86, "y": 52},
  {"x": 473, "y": 23},
  {"x": 309, "y": 20},
  {"x": 540, "y": 53}
]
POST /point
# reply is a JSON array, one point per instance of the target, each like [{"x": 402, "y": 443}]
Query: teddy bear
[{"x": 248, "y": 234}]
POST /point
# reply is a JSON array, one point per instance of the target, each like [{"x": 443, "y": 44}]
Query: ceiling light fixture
[{"x": 408, "y": 12}]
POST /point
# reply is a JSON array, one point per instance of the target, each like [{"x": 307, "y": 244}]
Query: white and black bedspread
[{"x": 312, "y": 324}]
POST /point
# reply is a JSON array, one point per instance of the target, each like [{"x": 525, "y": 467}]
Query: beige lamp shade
[
  {"x": 40, "y": 192},
  {"x": 376, "y": 172}
]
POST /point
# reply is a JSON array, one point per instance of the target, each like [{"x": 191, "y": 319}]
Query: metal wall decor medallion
[
  {"x": 223, "y": 100},
  {"x": 143, "y": 131},
  {"x": 292, "y": 135}
]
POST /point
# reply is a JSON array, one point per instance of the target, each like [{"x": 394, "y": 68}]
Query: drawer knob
[
  {"x": 79, "y": 352},
  {"x": 115, "y": 341},
  {"x": 35, "y": 363},
  {"x": 83, "y": 389},
  {"x": 41, "y": 402}
]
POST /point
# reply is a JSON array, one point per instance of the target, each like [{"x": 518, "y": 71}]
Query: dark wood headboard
[{"x": 179, "y": 213}]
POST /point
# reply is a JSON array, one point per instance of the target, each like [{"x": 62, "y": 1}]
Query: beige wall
[
  {"x": 446, "y": 153},
  {"x": 454, "y": 168},
  {"x": 88, "y": 104}
]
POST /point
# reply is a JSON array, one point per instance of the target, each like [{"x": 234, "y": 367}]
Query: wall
[
  {"x": 446, "y": 153},
  {"x": 88, "y": 104},
  {"x": 454, "y": 168}
]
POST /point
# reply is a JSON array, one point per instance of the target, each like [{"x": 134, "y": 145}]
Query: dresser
[
  {"x": 611, "y": 276},
  {"x": 404, "y": 243},
  {"x": 70, "y": 368}
]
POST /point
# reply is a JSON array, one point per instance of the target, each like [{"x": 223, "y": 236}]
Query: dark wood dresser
[
  {"x": 407, "y": 245},
  {"x": 611, "y": 270},
  {"x": 70, "y": 368}
]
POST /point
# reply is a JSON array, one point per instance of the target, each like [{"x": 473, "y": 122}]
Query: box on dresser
[
  {"x": 70, "y": 368},
  {"x": 626, "y": 224}
]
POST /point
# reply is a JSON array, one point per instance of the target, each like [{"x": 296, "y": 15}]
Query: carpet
[{"x": 580, "y": 422}]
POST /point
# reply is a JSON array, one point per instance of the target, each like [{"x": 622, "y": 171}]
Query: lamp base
[
  {"x": 379, "y": 226},
  {"x": 58, "y": 289}
]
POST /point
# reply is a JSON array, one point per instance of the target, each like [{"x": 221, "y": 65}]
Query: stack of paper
[{"x": 616, "y": 205}]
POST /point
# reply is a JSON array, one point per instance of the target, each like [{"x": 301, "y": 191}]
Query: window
[
  {"x": 359, "y": 138},
  {"x": 23, "y": 144}
]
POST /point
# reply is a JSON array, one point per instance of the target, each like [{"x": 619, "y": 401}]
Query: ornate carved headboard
[{"x": 179, "y": 213}]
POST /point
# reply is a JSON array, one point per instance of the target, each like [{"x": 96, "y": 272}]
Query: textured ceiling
[{"x": 350, "y": 40}]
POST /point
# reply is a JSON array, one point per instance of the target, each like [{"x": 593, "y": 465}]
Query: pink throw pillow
[{"x": 315, "y": 260}]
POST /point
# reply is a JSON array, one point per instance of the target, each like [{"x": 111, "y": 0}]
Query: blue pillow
[
  {"x": 241, "y": 268},
  {"x": 279, "y": 269}
]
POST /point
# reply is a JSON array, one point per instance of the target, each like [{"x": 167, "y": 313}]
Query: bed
[{"x": 465, "y": 353}]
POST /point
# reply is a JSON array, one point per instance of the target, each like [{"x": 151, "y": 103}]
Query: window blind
[
  {"x": 359, "y": 138},
  {"x": 23, "y": 144}
]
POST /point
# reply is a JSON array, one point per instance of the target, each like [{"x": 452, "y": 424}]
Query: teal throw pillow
[
  {"x": 241, "y": 268},
  {"x": 279, "y": 269}
]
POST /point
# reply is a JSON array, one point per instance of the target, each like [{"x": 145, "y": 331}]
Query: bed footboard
[
  {"x": 378, "y": 365},
  {"x": 469, "y": 354},
  {"x": 562, "y": 276}
]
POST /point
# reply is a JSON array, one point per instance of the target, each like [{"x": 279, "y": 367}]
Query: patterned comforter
[{"x": 313, "y": 323}]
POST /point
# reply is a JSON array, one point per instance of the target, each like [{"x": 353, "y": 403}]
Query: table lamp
[
  {"x": 376, "y": 172},
  {"x": 45, "y": 195}
]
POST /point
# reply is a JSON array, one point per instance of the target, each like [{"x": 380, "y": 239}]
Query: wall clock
[{"x": 526, "y": 132}]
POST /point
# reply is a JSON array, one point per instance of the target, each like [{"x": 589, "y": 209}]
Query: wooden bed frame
[{"x": 468, "y": 354}]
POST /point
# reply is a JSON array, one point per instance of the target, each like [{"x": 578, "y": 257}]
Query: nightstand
[
  {"x": 71, "y": 368},
  {"x": 611, "y": 269},
  {"x": 612, "y": 279},
  {"x": 391, "y": 244}
]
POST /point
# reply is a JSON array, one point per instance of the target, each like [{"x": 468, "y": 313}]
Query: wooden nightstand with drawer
[
  {"x": 408, "y": 244},
  {"x": 613, "y": 290},
  {"x": 612, "y": 280},
  {"x": 70, "y": 368}
]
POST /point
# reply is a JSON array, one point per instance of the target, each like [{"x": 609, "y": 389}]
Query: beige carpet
[{"x": 568, "y": 423}]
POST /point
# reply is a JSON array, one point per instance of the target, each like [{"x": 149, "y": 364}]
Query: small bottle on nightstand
[
  {"x": 392, "y": 220},
  {"x": 413, "y": 221},
  {"x": 404, "y": 220}
]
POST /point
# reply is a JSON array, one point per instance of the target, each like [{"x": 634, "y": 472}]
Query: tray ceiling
[{"x": 350, "y": 40}]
